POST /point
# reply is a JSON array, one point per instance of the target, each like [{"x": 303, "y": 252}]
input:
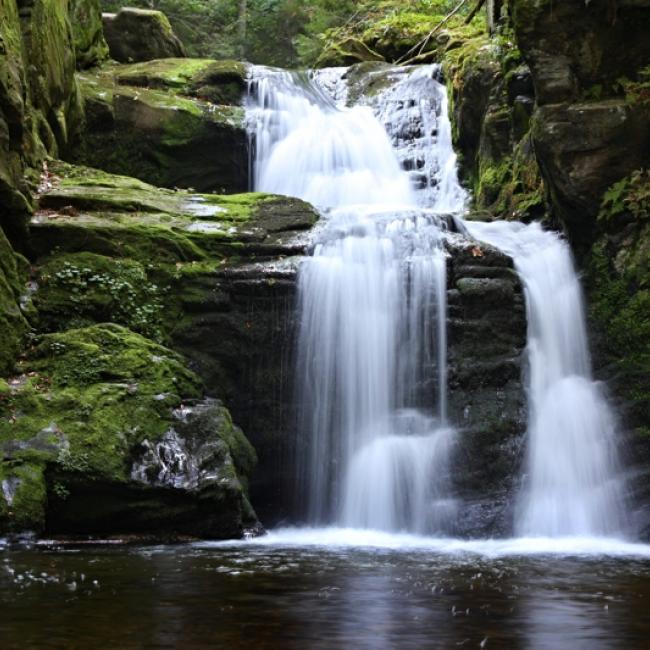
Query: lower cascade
[
  {"x": 375, "y": 446},
  {"x": 572, "y": 485}
]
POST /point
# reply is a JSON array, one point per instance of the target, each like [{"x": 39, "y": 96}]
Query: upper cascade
[
  {"x": 392, "y": 149},
  {"x": 371, "y": 372}
]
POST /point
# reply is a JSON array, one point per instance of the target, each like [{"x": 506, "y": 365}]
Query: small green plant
[
  {"x": 61, "y": 491},
  {"x": 122, "y": 294},
  {"x": 631, "y": 195}
]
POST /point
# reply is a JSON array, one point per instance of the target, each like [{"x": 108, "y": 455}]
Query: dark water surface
[{"x": 292, "y": 595}]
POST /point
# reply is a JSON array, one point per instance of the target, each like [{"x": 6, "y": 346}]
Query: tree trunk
[{"x": 241, "y": 27}]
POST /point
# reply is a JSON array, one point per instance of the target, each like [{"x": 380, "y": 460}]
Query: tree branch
[
  {"x": 423, "y": 43},
  {"x": 474, "y": 11}
]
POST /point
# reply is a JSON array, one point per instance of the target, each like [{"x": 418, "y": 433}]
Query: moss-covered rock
[
  {"x": 184, "y": 138},
  {"x": 89, "y": 43},
  {"x": 50, "y": 63},
  {"x": 403, "y": 33},
  {"x": 140, "y": 35},
  {"x": 74, "y": 425},
  {"x": 91, "y": 211},
  {"x": 492, "y": 99},
  {"x": 40, "y": 106},
  {"x": 12, "y": 322}
]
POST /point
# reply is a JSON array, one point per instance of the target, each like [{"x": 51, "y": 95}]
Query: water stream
[
  {"x": 375, "y": 450},
  {"x": 574, "y": 485},
  {"x": 375, "y": 446}
]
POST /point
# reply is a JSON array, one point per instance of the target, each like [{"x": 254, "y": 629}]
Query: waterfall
[
  {"x": 371, "y": 372},
  {"x": 375, "y": 444},
  {"x": 572, "y": 486}
]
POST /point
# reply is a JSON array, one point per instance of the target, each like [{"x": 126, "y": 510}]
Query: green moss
[
  {"x": 220, "y": 82},
  {"x": 26, "y": 509},
  {"x": 80, "y": 409},
  {"x": 12, "y": 322},
  {"x": 101, "y": 389},
  {"x": 90, "y": 46},
  {"x": 618, "y": 276},
  {"x": 84, "y": 288},
  {"x": 178, "y": 127},
  {"x": 394, "y": 33}
]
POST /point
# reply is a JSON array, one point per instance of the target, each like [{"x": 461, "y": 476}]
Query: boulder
[
  {"x": 583, "y": 148},
  {"x": 102, "y": 434},
  {"x": 173, "y": 123},
  {"x": 140, "y": 35}
]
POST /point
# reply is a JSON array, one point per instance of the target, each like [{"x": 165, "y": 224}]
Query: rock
[
  {"x": 487, "y": 401},
  {"x": 183, "y": 138},
  {"x": 39, "y": 102},
  {"x": 95, "y": 212},
  {"x": 589, "y": 130},
  {"x": 90, "y": 46},
  {"x": 573, "y": 46},
  {"x": 583, "y": 148},
  {"x": 13, "y": 323},
  {"x": 140, "y": 35},
  {"x": 208, "y": 274},
  {"x": 116, "y": 395}
]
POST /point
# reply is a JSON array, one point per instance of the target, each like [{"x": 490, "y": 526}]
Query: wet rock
[
  {"x": 140, "y": 35},
  {"x": 585, "y": 147},
  {"x": 487, "y": 401}
]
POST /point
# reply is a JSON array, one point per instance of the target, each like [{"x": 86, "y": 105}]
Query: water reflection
[{"x": 290, "y": 596}]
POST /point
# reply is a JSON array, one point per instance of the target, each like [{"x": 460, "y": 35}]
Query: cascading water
[
  {"x": 371, "y": 371},
  {"x": 573, "y": 486},
  {"x": 371, "y": 374}
]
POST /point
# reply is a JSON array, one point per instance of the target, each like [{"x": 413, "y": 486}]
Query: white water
[
  {"x": 344, "y": 538},
  {"x": 371, "y": 372},
  {"x": 573, "y": 485},
  {"x": 375, "y": 444}
]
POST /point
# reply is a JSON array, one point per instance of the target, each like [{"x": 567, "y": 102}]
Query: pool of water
[{"x": 327, "y": 589}]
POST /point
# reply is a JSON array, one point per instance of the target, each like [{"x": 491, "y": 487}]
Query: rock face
[
  {"x": 591, "y": 136},
  {"x": 89, "y": 43},
  {"x": 39, "y": 102},
  {"x": 591, "y": 127},
  {"x": 487, "y": 402},
  {"x": 40, "y": 111},
  {"x": 491, "y": 98},
  {"x": 140, "y": 35},
  {"x": 173, "y": 123},
  {"x": 205, "y": 273}
]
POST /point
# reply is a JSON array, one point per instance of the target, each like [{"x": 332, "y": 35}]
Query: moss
[
  {"x": 84, "y": 288},
  {"x": 12, "y": 322},
  {"x": 116, "y": 216},
  {"x": 618, "y": 277},
  {"x": 101, "y": 389},
  {"x": 177, "y": 133},
  {"x": 73, "y": 422},
  {"x": 90, "y": 46},
  {"x": 392, "y": 35},
  {"x": 83, "y": 398},
  {"x": 219, "y": 82}
]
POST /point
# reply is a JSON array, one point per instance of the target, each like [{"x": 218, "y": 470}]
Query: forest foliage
[{"x": 287, "y": 33}]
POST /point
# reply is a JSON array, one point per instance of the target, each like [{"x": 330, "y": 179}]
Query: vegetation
[{"x": 289, "y": 33}]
